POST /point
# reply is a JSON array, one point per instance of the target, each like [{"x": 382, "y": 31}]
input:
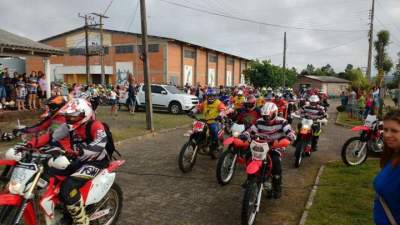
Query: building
[
  {"x": 332, "y": 86},
  {"x": 171, "y": 61}
]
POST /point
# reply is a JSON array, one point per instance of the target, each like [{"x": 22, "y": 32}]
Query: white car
[{"x": 166, "y": 97}]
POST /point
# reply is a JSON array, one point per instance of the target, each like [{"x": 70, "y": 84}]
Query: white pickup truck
[{"x": 166, "y": 97}]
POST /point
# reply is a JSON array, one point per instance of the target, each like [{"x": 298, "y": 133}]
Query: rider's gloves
[{"x": 17, "y": 132}]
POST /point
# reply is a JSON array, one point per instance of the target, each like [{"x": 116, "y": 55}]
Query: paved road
[{"x": 156, "y": 192}]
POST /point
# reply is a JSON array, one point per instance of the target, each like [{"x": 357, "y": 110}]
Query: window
[
  {"x": 154, "y": 48},
  {"x": 124, "y": 49},
  {"x": 229, "y": 61},
  {"x": 77, "y": 51},
  {"x": 189, "y": 54},
  {"x": 212, "y": 58},
  {"x": 106, "y": 50},
  {"x": 156, "y": 89}
]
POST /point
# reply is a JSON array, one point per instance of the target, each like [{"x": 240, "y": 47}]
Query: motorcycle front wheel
[
  {"x": 250, "y": 201},
  {"x": 354, "y": 152},
  {"x": 187, "y": 156},
  {"x": 111, "y": 203},
  {"x": 226, "y": 166},
  {"x": 298, "y": 154}
]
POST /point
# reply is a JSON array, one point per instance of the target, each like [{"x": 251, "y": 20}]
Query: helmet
[
  {"x": 314, "y": 99},
  {"x": 77, "y": 112},
  {"x": 269, "y": 89},
  {"x": 211, "y": 93},
  {"x": 240, "y": 92},
  {"x": 278, "y": 95},
  {"x": 263, "y": 89},
  {"x": 250, "y": 102},
  {"x": 55, "y": 103},
  {"x": 269, "y": 111}
]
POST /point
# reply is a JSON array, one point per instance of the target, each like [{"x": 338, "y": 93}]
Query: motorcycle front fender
[
  {"x": 8, "y": 162},
  {"x": 228, "y": 141},
  {"x": 253, "y": 167},
  {"x": 360, "y": 128},
  {"x": 15, "y": 200}
]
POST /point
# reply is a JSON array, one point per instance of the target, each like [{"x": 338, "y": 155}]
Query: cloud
[{"x": 42, "y": 18}]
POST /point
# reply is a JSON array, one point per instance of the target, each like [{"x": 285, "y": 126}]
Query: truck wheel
[{"x": 175, "y": 108}]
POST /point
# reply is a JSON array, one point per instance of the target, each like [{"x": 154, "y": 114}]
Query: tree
[
  {"x": 383, "y": 63},
  {"x": 327, "y": 70},
  {"x": 265, "y": 74},
  {"x": 349, "y": 67},
  {"x": 309, "y": 70}
]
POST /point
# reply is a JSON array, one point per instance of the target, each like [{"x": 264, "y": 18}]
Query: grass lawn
[
  {"x": 122, "y": 126},
  {"x": 342, "y": 118},
  {"x": 345, "y": 195}
]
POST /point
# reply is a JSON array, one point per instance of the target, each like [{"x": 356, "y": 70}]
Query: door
[{"x": 159, "y": 96}]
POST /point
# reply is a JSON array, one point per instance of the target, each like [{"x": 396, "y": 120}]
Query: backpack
[{"x": 110, "y": 147}]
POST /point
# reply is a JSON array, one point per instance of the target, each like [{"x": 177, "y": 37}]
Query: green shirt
[{"x": 361, "y": 102}]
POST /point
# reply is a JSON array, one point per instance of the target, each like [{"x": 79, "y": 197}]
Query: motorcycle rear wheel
[
  {"x": 187, "y": 156},
  {"x": 349, "y": 152},
  {"x": 250, "y": 200},
  {"x": 226, "y": 166}
]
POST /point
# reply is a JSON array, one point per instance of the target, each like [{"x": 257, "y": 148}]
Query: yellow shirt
[
  {"x": 238, "y": 101},
  {"x": 211, "y": 111},
  {"x": 260, "y": 101}
]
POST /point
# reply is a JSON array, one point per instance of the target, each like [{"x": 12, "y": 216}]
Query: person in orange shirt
[{"x": 238, "y": 100}]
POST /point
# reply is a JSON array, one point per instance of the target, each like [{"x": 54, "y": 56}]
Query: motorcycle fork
[
  {"x": 28, "y": 195},
  {"x": 262, "y": 179}
]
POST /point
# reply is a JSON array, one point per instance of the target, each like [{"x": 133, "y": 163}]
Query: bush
[{"x": 341, "y": 108}]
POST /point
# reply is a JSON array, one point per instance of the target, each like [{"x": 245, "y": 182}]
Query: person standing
[
  {"x": 21, "y": 94},
  {"x": 132, "y": 92},
  {"x": 387, "y": 182},
  {"x": 113, "y": 96},
  {"x": 32, "y": 90},
  {"x": 42, "y": 89}
]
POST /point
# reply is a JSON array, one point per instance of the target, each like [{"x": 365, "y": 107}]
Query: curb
[
  {"x": 150, "y": 134},
  {"x": 312, "y": 196}
]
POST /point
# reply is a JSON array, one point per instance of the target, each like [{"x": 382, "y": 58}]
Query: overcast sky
[{"x": 318, "y": 31}]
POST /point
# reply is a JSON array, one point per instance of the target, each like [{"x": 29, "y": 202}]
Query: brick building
[
  {"x": 171, "y": 61},
  {"x": 332, "y": 86}
]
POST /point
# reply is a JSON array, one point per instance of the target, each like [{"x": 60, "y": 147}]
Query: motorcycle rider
[
  {"x": 314, "y": 111},
  {"x": 250, "y": 113},
  {"x": 238, "y": 100},
  {"x": 213, "y": 109},
  {"x": 90, "y": 152},
  {"x": 281, "y": 104},
  {"x": 271, "y": 127}
]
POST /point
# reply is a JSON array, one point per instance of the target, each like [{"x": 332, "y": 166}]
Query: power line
[
  {"x": 385, "y": 27},
  {"x": 398, "y": 29},
  {"x": 109, "y": 5},
  {"x": 134, "y": 16},
  {"x": 254, "y": 21}
]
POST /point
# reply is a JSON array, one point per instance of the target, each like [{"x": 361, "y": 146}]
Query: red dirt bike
[
  {"x": 236, "y": 152},
  {"x": 30, "y": 190},
  {"x": 199, "y": 143},
  {"x": 304, "y": 137},
  {"x": 369, "y": 143},
  {"x": 258, "y": 171}
]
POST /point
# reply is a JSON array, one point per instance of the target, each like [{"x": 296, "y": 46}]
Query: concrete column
[{"x": 47, "y": 72}]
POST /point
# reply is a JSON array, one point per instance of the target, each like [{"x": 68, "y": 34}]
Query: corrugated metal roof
[
  {"x": 327, "y": 79},
  {"x": 18, "y": 43},
  {"x": 130, "y": 33}
]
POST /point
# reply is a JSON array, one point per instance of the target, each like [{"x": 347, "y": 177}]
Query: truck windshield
[{"x": 173, "y": 90}]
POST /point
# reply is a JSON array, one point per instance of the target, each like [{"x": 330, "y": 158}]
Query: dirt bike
[
  {"x": 236, "y": 152},
  {"x": 258, "y": 171},
  {"x": 304, "y": 137},
  {"x": 29, "y": 190},
  {"x": 369, "y": 143},
  {"x": 291, "y": 109},
  {"x": 199, "y": 143}
]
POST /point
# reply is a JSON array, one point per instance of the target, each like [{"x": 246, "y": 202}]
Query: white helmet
[
  {"x": 314, "y": 99},
  {"x": 240, "y": 92},
  {"x": 269, "y": 111},
  {"x": 264, "y": 89},
  {"x": 77, "y": 107},
  {"x": 278, "y": 95},
  {"x": 12, "y": 154},
  {"x": 269, "y": 89},
  {"x": 61, "y": 162}
]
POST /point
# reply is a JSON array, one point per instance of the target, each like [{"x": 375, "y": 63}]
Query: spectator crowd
[{"x": 358, "y": 103}]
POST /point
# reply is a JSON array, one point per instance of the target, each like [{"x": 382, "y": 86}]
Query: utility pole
[
  {"x": 103, "y": 76},
  {"x": 86, "y": 47},
  {"x": 371, "y": 34},
  {"x": 284, "y": 60},
  {"x": 149, "y": 107}
]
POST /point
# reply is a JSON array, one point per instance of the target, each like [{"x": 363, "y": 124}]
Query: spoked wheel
[
  {"x": 251, "y": 201},
  {"x": 226, "y": 166},
  {"x": 108, "y": 210},
  {"x": 354, "y": 151},
  {"x": 187, "y": 156},
  {"x": 298, "y": 154}
]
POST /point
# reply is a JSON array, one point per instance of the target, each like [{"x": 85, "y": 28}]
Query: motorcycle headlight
[
  {"x": 12, "y": 154},
  {"x": 235, "y": 134},
  {"x": 15, "y": 187}
]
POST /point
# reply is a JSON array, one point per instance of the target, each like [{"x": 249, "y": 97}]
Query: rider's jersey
[
  {"x": 211, "y": 111},
  {"x": 248, "y": 117},
  {"x": 273, "y": 130},
  {"x": 238, "y": 101},
  {"x": 313, "y": 112},
  {"x": 281, "y": 103}
]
